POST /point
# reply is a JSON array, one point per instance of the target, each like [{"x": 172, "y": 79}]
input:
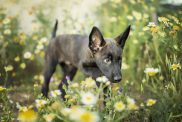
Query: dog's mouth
[{"x": 116, "y": 81}]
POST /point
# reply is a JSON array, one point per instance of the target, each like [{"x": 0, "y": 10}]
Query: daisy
[
  {"x": 102, "y": 79},
  {"x": 40, "y": 103},
  {"x": 119, "y": 106},
  {"x": 87, "y": 98},
  {"x": 27, "y": 55},
  {"x": 175, "y": 66},
  {"x": 151, "y": 71},
  {"x": 27, "y": 116},
  {"x": 151, "y": 102}
]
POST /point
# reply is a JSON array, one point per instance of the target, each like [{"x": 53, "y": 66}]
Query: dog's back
[{"x": 69, "y": 48}]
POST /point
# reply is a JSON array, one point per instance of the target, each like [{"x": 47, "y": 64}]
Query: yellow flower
[
  {"x": 163, "y": 19},
  {"x": 22, "y": 36},
  {"x": 154, "y": 29},
  {"x": 151, "y": 71},
  {"x": 88, "y": 117},
  {"x": 175, "y": 66},
  {"x": 176, "y": 28},
  {"x": 8, "y": 68},
  {"x": 17, "y": 58},
  {"x": 151, "y": 102},
  {"x": 119, "y": 106},
  {"x": 78, "y": 114},
  {"x": 23, "y": 65},
  {"x": 28, "y": 115},
  {"x": 132, "y": 106},
  {"x": 49, "y": 117},
  {"x": 74, "y": 112},
  {"x": 2, "y": 88}
]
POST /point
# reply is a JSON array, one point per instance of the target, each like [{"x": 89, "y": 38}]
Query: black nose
[{"x": 117, "y": 79}]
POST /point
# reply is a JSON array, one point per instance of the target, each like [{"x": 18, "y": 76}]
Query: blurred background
[{"x": 25, "y": 30}]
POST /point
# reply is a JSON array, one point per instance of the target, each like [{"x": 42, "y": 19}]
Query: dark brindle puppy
[{"x": 94, "y": 55}]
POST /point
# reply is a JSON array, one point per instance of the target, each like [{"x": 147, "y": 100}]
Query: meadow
[{"x": 151, "y": 88}]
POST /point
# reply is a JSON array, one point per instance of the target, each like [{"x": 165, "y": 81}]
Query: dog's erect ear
[
  {"x": 121, "y": 39},
  {"x": 96, "y": 40}
]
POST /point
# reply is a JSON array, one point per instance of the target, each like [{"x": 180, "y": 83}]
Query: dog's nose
[{"x": 117, "y": 78}]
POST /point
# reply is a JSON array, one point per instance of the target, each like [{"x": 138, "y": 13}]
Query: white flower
[
  {"x": 23, "y": 65},
  {"x": 49, "y": 117},
  {"x": 7, "y": 32},
  {"x": 108, "y": 83},
  {"x": 65, "y": 111},
  {"x": 40, "y": 46},
  {"x": 74, "y": 112},
  {"x": 8, "y": 68},
  {"x": 55, "y": 93},
  {"x": 102, "y": 79},
  {"x": 6, "y": 21},
  {"x": 40, "y": 103},
  {"x": 151, "y": 71},
  {"x": 43, "y": 40},
  {"x": 88, "y": 98},
  {"x": 130, "y": 100},
  {"x": 80, "y": 115},
  {"x": 151, "y": 24},
  {"x": 27, "y": 55},
  {"x": 131, "y": 104}
]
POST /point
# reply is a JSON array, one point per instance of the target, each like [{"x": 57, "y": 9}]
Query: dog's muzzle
[{"x": 117, "y": 79}]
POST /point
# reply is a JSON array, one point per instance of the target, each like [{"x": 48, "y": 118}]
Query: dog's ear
[
  {"x": 121, "y": 39},
  {"x": 96, "y": 40}
]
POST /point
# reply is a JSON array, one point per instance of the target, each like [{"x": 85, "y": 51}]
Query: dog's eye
[{"x": 107, "y": 61}]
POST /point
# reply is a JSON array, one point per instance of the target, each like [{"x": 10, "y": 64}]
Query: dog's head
[{"x": 108, "y": 53}]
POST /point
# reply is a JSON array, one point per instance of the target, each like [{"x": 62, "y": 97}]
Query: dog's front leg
[{"x": 69, "y": 72}]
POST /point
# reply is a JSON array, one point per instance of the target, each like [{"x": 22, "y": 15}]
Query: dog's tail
[{"x": 55, "y": 29}]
